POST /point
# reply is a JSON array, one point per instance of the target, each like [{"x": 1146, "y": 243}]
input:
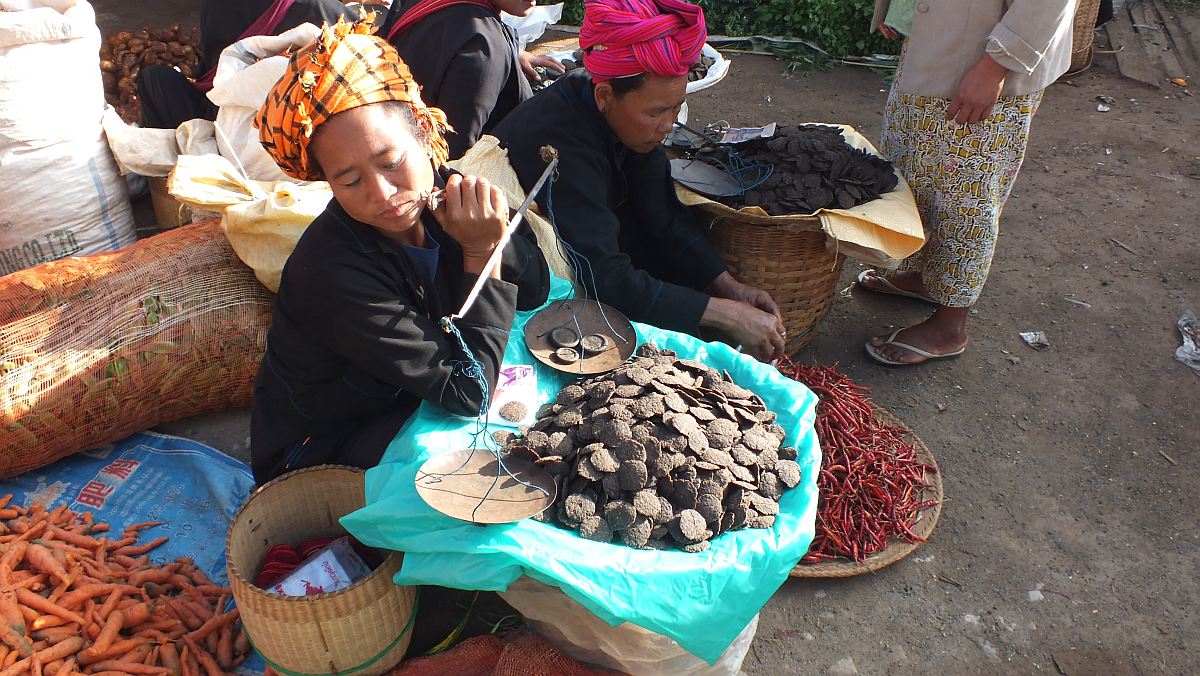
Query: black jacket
[
  {"x": 465, "y": 60},
  {"x": 223, "y": 21},
  {"x": 355, "y": 344},
  {"x": 617, "y": 208}
]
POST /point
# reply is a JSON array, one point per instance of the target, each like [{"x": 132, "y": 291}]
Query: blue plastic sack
[
  {"x": 194, "y": 489},
  {"x": 702, "y": 601}
]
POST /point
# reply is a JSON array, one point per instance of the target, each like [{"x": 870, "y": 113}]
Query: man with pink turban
[{"x": 614, "y": 202}]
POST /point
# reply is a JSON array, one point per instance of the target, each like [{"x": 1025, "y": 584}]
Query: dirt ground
[{"x": 1070, "y": 473}]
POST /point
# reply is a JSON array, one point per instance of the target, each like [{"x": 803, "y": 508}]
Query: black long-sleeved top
[
  {"x": 465, "y": 60},
  {"x": 223, "y": 21},
  {"x": 617, "y": 208},
  {"x": 355, "y": 340}
]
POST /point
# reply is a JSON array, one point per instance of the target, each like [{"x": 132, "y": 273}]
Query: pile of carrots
[{"x": 75, "y": 599}]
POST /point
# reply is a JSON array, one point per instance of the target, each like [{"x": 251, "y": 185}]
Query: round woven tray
[{"x": 898, "y": 549}]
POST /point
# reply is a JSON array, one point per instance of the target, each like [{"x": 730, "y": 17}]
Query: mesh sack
[
  {"x": 526, "y": 655},
  {"x": 93, "y": 349},
  {"x": 476, "y": 656}
]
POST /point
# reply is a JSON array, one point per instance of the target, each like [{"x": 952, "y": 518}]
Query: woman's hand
[
  {"x": 475, "y": 213},
  {"x": 751, "y": 330},
  {"x": 728, "y": 286},
  {"x": 978, "y": 92},
  {"x": 529, "y": 62}
]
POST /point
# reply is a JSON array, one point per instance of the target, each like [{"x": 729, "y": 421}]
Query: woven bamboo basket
[
  {"x": 168, "y": 212},
  {"x": 1083, "y": 34},
  {"x": 364, "y": 629},
  {"x": 791, "y": 262}
]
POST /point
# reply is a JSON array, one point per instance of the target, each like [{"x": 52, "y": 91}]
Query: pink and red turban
[{"x": 621, "y": 38}]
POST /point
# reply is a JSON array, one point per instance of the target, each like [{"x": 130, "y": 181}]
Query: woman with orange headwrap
[
  {"x": 355, "y": 345},
  {"x": 615, "y": 202}
]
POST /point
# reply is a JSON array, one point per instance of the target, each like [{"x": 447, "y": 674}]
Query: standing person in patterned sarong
[{"x": 956, "y": 126}]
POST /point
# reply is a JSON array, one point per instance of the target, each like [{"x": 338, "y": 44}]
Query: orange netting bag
[
  {"x": 526, "y": 655},
  {"x": 93, "y": 349}
]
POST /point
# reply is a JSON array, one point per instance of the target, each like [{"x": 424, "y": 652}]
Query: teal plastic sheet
[{"x": 702, "y": 601}]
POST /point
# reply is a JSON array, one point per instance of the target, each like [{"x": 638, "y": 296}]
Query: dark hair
[{"x": 623, "y": 85}]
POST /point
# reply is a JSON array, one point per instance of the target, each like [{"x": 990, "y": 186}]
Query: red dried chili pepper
[{"x": 869, "y": 475}]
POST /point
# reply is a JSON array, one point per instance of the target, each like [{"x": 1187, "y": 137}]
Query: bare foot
[
  {"x": 943, "y": 333},
  {"x": 906, "y": 280}
]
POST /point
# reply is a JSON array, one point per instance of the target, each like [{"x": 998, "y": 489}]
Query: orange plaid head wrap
[{"x": 345, "y": 68}]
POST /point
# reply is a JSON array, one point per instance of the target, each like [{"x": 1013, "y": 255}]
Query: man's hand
[
  {"x": 529, "y": 62},
  {"x": 978, "y": 92}
]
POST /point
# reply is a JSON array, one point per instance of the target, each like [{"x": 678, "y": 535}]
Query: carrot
[
  {"x": 57, "y": 651},
  {"x": 241, "y": 643},
  {"x": 125, "y": 561},
  {"x": 109, "y": 605},
  {"x": 112, "y": 627},
  {"x": 155, "y": 575},
  {"x": 137, "y": 655},
  {"x": 211, "y": 668},
  {"x": 133, "y": 529},
  {"x": 5, "y": 500},
  {"x": 8, "y": 513},
  {"x": 52, "y": 668},
  {"x": 200, "y": 608},
  {"x": 185, "y": 614},
  {"x": 168, "y": 654},
  {"x": 127, "y": 667},
  {"x": 33, "y": 531},
  {"x": 42, "y": 559},
  {"x": 56, "y": 634},
  {"x": 11, "y": 659},
  {"x": 136, "y": 615},
  {"x": 29, "y": 615},
  {"x": 74, "y": 538},
  {"x": 57, "y": 515},
  {"x": 35, "y": 668},
  {"x": 225, "y": 647},
  {"x": 90, "y": 656},
  {"x": 137, "y": 550},
  {"x": 13, "y": 555},
  {"x": 69, "y": 667},
  {"x": 217, "y": 622},
  {"x": 45, "y": 606},
  {"x": 191, "y": 666},
  {"x": 48, "y": 622},
  {"x": 10, "y": 611},
  {"x": 80, "y": 594},
  {"x": 18, "y": 642}
]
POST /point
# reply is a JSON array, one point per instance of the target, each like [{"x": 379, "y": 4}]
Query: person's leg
[
  {"x": 168, "y": 99},
  {"x": 909, "y": 146},
  {"x": 972, "y": 180}
]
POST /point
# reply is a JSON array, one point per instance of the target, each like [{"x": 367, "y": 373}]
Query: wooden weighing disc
[
  {"x": 463, "y": 485},
  {"x": 559, "y": 336}
]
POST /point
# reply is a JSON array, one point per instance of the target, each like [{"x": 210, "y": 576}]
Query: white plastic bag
[
  {"x": 531, "y": 26},
  {"x": 246, "y": 72},
  {"x": 262, "y": 219},
  {"x": 626, "y": 647},
  {"x": 60, "y": 191}
]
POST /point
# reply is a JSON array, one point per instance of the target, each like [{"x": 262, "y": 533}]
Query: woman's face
[
  {"x": 378, "y": 171},
  {"x": 642, "y": 118},
  {"x": 515, "y": 7}
]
